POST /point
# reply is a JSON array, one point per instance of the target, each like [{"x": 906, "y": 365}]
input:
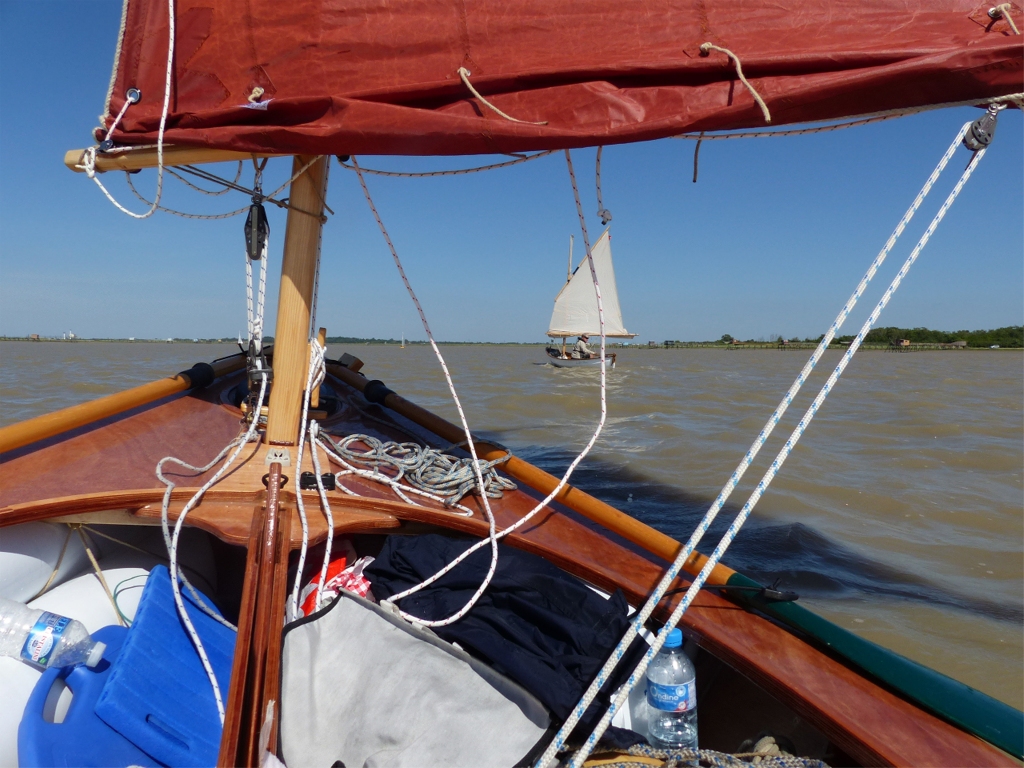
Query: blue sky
[{"x": 771, "y": 240}]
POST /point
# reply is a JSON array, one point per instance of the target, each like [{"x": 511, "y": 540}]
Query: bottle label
[
  {"x": 672, "y": 698},
  {"x": 43, "y": 638}
]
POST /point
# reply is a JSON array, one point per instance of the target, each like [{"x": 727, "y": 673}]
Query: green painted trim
[{"x": 970, "y": 709}]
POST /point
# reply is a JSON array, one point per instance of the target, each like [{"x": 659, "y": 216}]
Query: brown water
[{"x": 898, "y": 515}]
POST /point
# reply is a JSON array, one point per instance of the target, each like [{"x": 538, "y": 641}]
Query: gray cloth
[{"x": 364, "y": 687}]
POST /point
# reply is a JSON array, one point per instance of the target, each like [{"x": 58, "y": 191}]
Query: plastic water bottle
[
  {"x": 672, "y": 697},
  {"x": 45, "y": 639}
]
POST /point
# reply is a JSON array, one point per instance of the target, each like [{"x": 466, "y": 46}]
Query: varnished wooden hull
[{"x": 104, "y": 473}]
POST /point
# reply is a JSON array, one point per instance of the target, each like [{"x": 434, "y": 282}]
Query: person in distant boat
[{"x": 580, "y": 350}]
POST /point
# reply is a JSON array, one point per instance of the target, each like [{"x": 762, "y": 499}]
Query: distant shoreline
[{"x": 791, "y": 346}]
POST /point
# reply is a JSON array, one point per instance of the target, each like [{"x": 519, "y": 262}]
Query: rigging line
[
  {"x": 705, "y": 50},
  {"x": 593, "y": 439},
  {"x": 876, "y": 117},
  {"x": 603, "y": 213},
  {"x": 696, "y": 155},
  {"x": 453, "y": 172},
  {"x": 462, "y": 417},
  {"x": 315, "y": 374},
  {"x": 267, "y": 198},
  {"x": 759, "y": 490},
  {"x": 228, "y": 185},
  {"x": 542, "y": 504},
  {"x": 464, "y": 75},
  {"x": 89, "y": 158},
  {"x": 172, "y": 541},
  {"x": 673, "y": 571}
]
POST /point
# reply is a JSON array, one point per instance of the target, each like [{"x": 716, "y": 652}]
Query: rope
[
  {"x": 465, "y": 73},
  {"x": 462, "y": 418},
  {"x": 429, "y": 469},
  {"x": 708, "y": 758},
  {"x": 759, "y": 489},
  {"x": 696, "y": 155},
  {"x": 99, "y": 573},
  {"x": 227, "y": 186},
  {"x": 172, "y": 541},
  {"x": 89, "y": 157},
  {"x": 878, "y": 117},
  {"x": 1003, "y": 10},
  {"x": 453, "y": 172},
  {"x": 603, "y": 213},
  {"x": 379, "y": 477},
  {"x": 706, "y": 48},
  {"x": 314, "y": 376},
  {"x": 684, "y": 554},
  {"x": 56, "y": 568},
  {"x": 271, "y": 198}
]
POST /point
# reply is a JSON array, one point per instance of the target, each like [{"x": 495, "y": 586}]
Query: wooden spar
[
  {"x": 629, "y": 528},
  {"x": 66, "y": 419},
  {"x": 255, "y": 681},
  {"x": 255, "y": 670},
  {"x": 298, "y": 278},
  {"x": 138, "y": 159}
]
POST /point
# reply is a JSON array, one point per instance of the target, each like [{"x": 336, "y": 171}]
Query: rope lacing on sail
[{"x": 673, "y": 571}]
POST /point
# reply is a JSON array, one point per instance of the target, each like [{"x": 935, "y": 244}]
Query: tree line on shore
[{"x": 1011, "y": 336}]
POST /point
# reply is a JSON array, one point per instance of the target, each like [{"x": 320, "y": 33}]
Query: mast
[{"x": 254, "y": 696}]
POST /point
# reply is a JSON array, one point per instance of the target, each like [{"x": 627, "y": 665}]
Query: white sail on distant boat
[{"x": 575, "y": 312}]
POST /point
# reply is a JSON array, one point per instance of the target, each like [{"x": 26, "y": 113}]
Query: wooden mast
[{"x": 254, "y": 696}]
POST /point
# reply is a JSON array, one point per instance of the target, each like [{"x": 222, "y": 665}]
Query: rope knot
[
  {"x": 606, "y": 216},
  {"x": 464, "y": 75},
  {"x": 705, "y": 50}
]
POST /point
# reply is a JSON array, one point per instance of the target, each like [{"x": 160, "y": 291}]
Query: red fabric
[{"x": 380, "y": 76}]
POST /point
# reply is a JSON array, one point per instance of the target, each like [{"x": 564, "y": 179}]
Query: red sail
[{"x": 381, "y": 76}]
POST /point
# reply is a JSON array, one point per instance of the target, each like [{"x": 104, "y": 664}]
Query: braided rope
[
  {"x": 172, "y": 541},
  {"x": 878, "y": 117},
  {"x": 709, "y": 758},
  {"x": 272, "y": 197},
  {"x": 777, "y": 463},
  {"x": 1003, "y": 10},
  {"x": 462, "y": 418},
  {"x": 89, "y": 157},
  {"x": 603, "y": 213},
  {"x": 705, "y": 48},
  {"x": 453, "y": 172},
  {"x": 464, "y": 75},
  {"x": 211, "y": 193},
  {"x": 691, "y": 545}
]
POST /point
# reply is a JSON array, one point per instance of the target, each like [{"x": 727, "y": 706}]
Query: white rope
[
  {"x": 687, "y": 550},
  {"x": 89, "y": 157},
  {"x": 705, "y": 48},
  {"x": 492, "y": 539},
  {"x": 380, "y": 477},
  {"x": 462, "y": 418},
  {"x": 1003, "y": 10},
  {"x": 464, "y": 75},
  {"x": 172, "y": 541},
  {"x": 272, "y": 197},
  {"x": 453, "y": 172},
  {"x": 798, "y": 431},
  {"x": 117, "y": 60},
  {"x": 314, "y": 377}
]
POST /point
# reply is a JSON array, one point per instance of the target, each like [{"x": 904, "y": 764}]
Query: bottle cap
[
  {"x": 675, "y": 639},
  {"x": 95, "y": 655}
]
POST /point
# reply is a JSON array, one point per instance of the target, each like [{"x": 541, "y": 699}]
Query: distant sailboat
[
  {"x": 575, "y": 310},
  {"x": 403, "y": 342}
]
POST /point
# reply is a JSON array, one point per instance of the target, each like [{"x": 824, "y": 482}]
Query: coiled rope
[
  {"x": 730, "y": 534},
  {"x": 429, "y": 469}
]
